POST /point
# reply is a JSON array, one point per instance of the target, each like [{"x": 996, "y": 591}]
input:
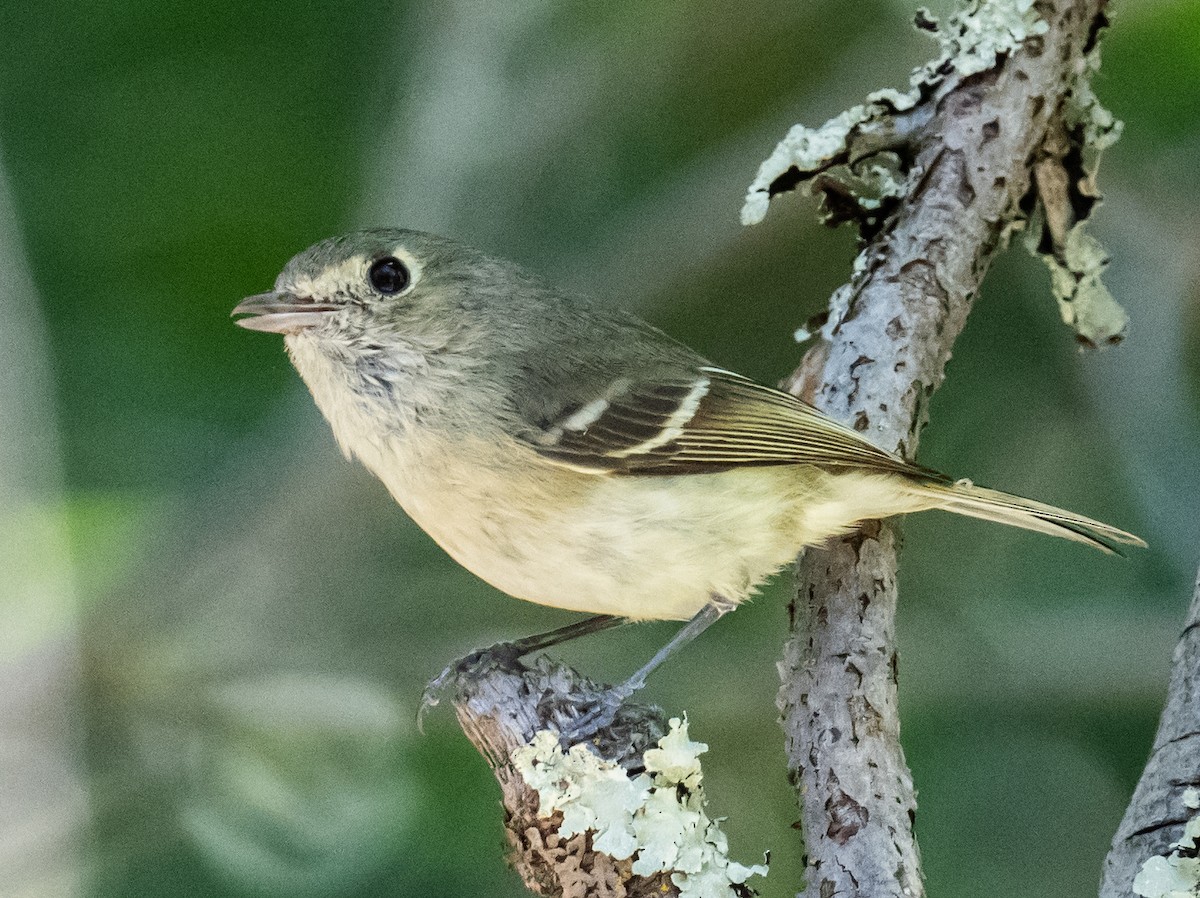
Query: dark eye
[{"x": 388, "y": 275}]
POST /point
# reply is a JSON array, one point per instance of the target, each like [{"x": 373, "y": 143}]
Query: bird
[{"x": 571, "y": 454}]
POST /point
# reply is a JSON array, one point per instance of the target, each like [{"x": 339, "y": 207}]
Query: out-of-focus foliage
[{"x": 215, "y": 694}]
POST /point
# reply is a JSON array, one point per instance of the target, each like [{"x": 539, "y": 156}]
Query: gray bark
[
  {"x": 876, "y": 371},
  {"x": 1156, "y": 814}
]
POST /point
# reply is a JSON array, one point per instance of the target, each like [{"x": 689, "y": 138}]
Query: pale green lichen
[
  {"x": 1178, "y": 874},
  {"x": 657, "y": 817},
  {"x": 899, "y": 101},
  {"x": 1083, "y": 300},
  {"x": 974, "y": 37},
  {"x": 971, "y": 41},
  {"x": 1077, "y": 260},
  {"x": 806, "y": 149},
  {"x": 1100, "y": 128}
]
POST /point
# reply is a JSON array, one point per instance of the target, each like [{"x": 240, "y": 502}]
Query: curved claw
[
  {"x": 507, "y": 653},
  {"x": 431, "y": 696},
  {"x": 501, "y": 653}
]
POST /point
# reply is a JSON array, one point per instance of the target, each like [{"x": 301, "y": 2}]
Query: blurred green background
[{"x": 214, "y": 630}]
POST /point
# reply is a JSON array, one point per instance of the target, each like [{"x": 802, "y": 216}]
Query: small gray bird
[{"x": 569, "y": 453}]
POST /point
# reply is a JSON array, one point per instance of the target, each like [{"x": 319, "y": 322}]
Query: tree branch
[
  {"x": 501, "y": 705},
  {"x": 619, "y": 816},
  {"x": 881, "y": 357},
  {"x": 1157, "y": 813}
]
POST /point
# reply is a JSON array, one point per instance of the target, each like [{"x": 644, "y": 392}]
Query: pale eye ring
[{"x": 388, "y": 275}]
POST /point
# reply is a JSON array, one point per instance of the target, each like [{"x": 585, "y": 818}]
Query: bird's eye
[{"x": 388, "y": 275}]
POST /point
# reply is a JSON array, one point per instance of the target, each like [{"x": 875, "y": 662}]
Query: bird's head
[{"x": 385, "y": 289}]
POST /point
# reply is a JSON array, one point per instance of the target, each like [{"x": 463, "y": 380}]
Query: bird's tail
[{"x": 963, "y": 497}]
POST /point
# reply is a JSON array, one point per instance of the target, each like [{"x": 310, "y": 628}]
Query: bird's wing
[{"x": 698, "y": 421}]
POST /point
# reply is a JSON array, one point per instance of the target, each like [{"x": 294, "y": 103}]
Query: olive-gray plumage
[{"x": 571, "y": 454}]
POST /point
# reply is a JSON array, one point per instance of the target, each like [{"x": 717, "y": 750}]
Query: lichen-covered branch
[
  {"x": 968, "y": 182},
  {"x": 1165, "y": 800},
  {"x": 621, "y": 815},
  {"x": 861, "y": 163}
]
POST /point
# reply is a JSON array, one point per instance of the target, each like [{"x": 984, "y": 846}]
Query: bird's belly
[
  {"x": 638, "y": 547},
  {"x": 643, "y": 547}
]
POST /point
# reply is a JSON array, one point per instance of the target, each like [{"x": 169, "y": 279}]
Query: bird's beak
[{"x": 281, "y": 313}]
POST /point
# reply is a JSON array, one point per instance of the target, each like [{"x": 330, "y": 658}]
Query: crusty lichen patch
[
  {"x": 1178, "y": 874},
  {"x": 1084, "y": 301},
  {"x": 971, "y": 41},
  {"x": 1067, "y": 194},
  {"x": 977, "y": 35},
  {"x": 656, "y": 818},
  {"x": 859, "y": 162},
  {"x": 805, "y": 151}
]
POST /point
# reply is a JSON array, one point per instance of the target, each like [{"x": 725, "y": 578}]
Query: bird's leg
[
  {"x": 511, "y": 651},
  {"x": 519, "y": 648},
  {"x": 603, "y": 715},
  {"x": 716, "y": 608}
]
